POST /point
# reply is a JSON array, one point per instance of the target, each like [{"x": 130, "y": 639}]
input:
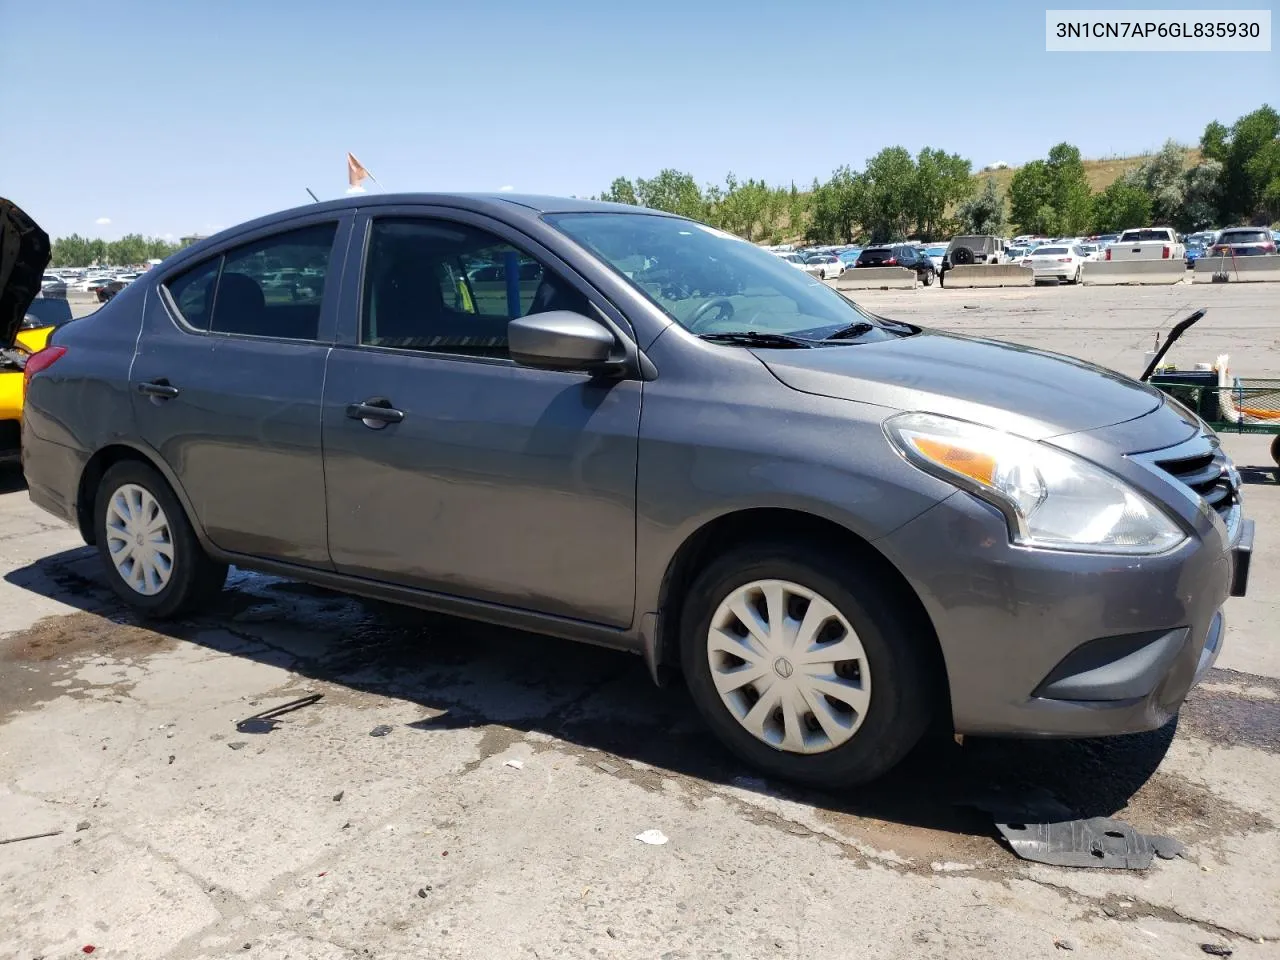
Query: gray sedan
[{"x": 628, "y": 428}]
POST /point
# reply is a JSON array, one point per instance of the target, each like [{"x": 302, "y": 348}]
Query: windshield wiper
[
  {"x": 753, "y": 338},
  {"x": 851, "y": 331}
]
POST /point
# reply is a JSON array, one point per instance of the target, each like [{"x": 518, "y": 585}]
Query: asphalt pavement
[{"x": 449, "y": 790}]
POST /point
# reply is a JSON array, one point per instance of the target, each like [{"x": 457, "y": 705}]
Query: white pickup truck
[{"x": 1149, "y": 243}]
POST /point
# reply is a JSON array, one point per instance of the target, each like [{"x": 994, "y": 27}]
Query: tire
[
  {"x": 1275, "y": 450},
  {"x": 192, "y": 579},
  {"x": 928, "y": 279},
  {"x": 961, "y": 256},
  {"x": 892, "y": 666},
  {"x": 1076, "y": 279}
]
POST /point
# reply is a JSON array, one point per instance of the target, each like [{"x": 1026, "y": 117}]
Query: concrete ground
[{"x": 496, "y": 817}]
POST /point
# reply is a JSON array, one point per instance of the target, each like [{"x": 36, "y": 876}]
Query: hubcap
[
  {"x": 789, "y": 666},
  {"x": 139, "y": 540}
]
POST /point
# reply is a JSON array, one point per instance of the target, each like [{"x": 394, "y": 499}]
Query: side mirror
[{"x": 559, "y": 340}]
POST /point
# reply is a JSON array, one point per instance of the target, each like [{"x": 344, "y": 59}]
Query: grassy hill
[{"x": 1101, "y": 173}]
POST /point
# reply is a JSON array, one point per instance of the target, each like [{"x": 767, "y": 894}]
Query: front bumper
[{"x": 1056, "y": 644}]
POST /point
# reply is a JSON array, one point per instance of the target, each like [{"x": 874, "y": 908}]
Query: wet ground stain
[{"x": 600, "y": 706}]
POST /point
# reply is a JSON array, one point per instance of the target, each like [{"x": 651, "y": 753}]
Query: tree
[
  {"x": 837, "y": 208},
  {"x": 1213, "y": 142},
  {"x": 158, "y": 249},
  {"x": 620, "y": 191},
  {"x": 1122, "y": 205},
  {"x": 941, "y": 179},
  {"x": 1201, "y": 196},
  {"x": 1163, "y": 178},
  {"x": 890, "y": 181},
  {"x": 72, "y": 251},
  {"x": 673, "y": 192},
  {"x": 983, "y": 213},
  {"x": 1069, "y": 191},
  {"x": 129, "y": 249},
  {"x": 1052, "y": 196},
  {"x": 1245, "y": 178},
  {"x": 1263, "y": 172},
  {"x": 1030, "y": 196}
]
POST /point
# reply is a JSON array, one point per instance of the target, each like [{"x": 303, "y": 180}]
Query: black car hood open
[
  {"x": 24, "y": 253},
  {"x": 1003, "y": 385}
]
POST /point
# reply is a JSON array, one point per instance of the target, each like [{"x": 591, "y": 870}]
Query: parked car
[
  {"x": 1149, "y": 243},
  {"x": 1090, "y": 251},
  {"x": 964, "y": 251},
  {"x": 935, "y": 255},
  {"x": 1244, "y": 242},
  {"x": 824, "y": 266},
  {"x": 899, "y": 255},
  {"x": 1194, "y": 252},
  {"x": 1065, "y": 264},
  {"x": 109, "y": 289},
  {"x": 865, "y": 525}
]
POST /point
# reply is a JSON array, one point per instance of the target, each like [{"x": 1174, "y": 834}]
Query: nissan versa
[{"x": 624, "y": 427}]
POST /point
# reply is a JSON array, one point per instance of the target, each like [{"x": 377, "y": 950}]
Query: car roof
[{"x": 503, "y": 205}]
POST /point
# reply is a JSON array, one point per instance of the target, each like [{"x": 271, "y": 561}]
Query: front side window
[
  {"x": 274, "y": 287},
  {"x": 707, "y": 280},
  {"x": 447, "y": 287}
]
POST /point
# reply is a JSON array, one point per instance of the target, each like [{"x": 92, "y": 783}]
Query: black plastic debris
[
  {"x": 1216, "y": 949},
  {"x": 1040, "y": 828},
  {"x": 1096, "y": 842},
  {"x": 381, "y": 730},
  {"x": 266, "y": 721}
]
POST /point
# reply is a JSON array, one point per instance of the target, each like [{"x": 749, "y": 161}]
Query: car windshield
[
  {"x": 683, "y": 267},
  {"x": 935, "y": 251}
]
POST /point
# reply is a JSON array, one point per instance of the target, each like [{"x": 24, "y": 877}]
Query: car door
[
  {"x": 227, "y": 384},
  {"x": 450, "y": 468}
]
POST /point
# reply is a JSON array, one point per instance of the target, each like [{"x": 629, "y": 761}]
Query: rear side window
[
  {"x": 274, "y": 287},
  {"x": 192, "y": 292},
  {"x": 1144, "y": 236}
]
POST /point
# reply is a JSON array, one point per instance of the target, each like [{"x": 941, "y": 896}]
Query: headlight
[{"x": 1051, "y": 499}]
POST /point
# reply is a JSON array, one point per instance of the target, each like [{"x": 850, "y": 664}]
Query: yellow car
[{"x": 27, "y": 342}]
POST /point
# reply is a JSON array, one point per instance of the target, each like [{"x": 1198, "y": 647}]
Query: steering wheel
[{"x": 723, "y": 311}]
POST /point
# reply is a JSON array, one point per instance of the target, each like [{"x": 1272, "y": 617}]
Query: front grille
[{"x": 1209, "y": 474}]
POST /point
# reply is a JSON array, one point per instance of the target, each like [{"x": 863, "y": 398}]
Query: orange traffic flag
[{"x": 356, "y": 171}]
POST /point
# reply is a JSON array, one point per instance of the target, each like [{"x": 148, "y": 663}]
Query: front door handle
[
  {"x": 161, "y": 389},
  {"x": 375, "y": 413}
]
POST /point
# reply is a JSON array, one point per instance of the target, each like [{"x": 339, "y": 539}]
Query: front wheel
[
  {"x": 153, "y": 559},
  {"x": 1275, "y": 450},
  {"x": 805, "y": 665},
  {"x": 928, "y": 279}
]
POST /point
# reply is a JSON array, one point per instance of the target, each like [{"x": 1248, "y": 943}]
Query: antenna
[{"x": 313, "y": 196}]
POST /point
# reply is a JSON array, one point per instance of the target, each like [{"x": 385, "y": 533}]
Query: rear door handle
[
  {"x": 375, "y": 413},
  {"x": 162, "y": 389}
]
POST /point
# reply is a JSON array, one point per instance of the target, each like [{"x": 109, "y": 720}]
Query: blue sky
[{"x": 172, "y": 118}]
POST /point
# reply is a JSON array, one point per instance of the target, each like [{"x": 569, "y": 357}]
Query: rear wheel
[
  {"x": 152, "y": 557},
  {"x": 928, "y": 278},
  {"x": 805, "y": 665},
  {"x": 1275, "y": 450}
]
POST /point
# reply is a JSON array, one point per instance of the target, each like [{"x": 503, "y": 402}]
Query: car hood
[
  {"x": 24, "y": 253},
  {"x": 1029, "y": 392}
]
